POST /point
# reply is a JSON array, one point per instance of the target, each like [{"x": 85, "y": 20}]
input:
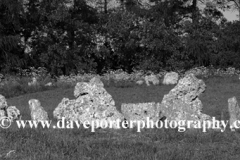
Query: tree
[
  {"x": 230, "y": 4},
  {"x": 11, "y": 53}
]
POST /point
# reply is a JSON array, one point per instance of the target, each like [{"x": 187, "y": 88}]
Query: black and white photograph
[{"x": 119, "y": 79}]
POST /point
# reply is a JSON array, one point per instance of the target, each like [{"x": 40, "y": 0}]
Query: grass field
[{"x": 150, "y": 144}]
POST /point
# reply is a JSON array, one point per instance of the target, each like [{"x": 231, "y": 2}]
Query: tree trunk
[
  {"x": 105, "y": 6},
  {"x": 194, "y": 12}
]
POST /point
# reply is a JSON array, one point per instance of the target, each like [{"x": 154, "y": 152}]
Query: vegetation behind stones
[{"x": 82, "y": 39}]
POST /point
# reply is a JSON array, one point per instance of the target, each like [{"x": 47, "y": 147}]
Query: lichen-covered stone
[
  {"x": 13, "y": 113},
  {"x": 151, "y": 79},
  {"x": 198, "y": 71},
  {"x": 182, "y": 102},
  {"x": 234, "y": 111},
  {"x": 170, "y": 78},
  {"x": 2, "y": 113},
  {"x": 92, "y": 103},
  {"x": 37, "y": 111},
  {"x": 140, "y": 82},
  {"x": 8, "y": 111},
  {"x": 3, "y": 102}
]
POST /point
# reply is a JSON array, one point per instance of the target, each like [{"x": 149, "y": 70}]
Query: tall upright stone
[
  {"x": 182, "y": 102},
  {"x": 37, "y": 111},
  {"x": 234, "y": 112}
]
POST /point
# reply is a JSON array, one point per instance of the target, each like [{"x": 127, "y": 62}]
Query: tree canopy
[{"x": 72, "y": 36}]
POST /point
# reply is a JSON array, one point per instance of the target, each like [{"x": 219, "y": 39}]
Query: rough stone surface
[
  {"x": 234, "y": 111},
  {"x": 170, "y": 78},
  {"x": 37, "y": 111},
  {"x": 141, "y": 111},
  {"x": 3, "y": 102},
  {"x": 182, "y": 102},
  {"x": 13, "y": 113},
  {"x": 2, "y": 113},
  {"x": 151, "y": 79},
  {"x": 8, "y": 111},
  {"x": 92, "y": 103}
]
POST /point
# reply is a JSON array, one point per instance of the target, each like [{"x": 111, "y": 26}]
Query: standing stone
[
  {"x": 182, "y": 102},
  {"x": 8, "y": 111},
  {"x": 234, "y": 111},
  {"x": 3, "y": 102},
  {"x": 13, "y": 113},
  {"x": 92, "y": 103},
  {"x": 37, "y": 111},
  {"x": 170, "y": 78},
  {"x": 140, "y": 82},
  {"x": 151, "y": 78}
]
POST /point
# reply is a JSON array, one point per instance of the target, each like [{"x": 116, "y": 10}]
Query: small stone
[
  {"x": 49, "y": 84},
  {"x": 3, "y": 102},
  {"x": 2, "y": 113},
  {"x": 13, "y": 113},
  {"x": 151, "y": 78},
  {"x": 92, "y": 103},
  {"x": 170, "y": 78},
  {"x": 37, "y": 111},
  {"x": 122, "y": 76},
  {"x": 8, "y": 111}
]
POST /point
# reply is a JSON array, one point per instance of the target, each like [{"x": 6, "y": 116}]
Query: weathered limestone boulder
[
  {"x": 170, "y": 78},
  {"x": 182, "y": 102},
  {"x": 92, "y": 103},
  {"x": 140, "y": 112},
  {"x": 2, "y": 113},
  {"x": 37, "y": 111},
  {"x": 3, "y": 102},
  {"x": 13, "y": 113},
  {"x": 8, "y": 111},
  {"x": 151, "y": 78},
  {"x": 234, "y": 112}
]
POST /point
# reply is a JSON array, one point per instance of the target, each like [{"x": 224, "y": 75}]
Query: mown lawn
[{"x": 150, "y": 144}]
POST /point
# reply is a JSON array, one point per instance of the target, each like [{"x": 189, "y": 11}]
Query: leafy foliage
[{"x": 70, "y": 37}]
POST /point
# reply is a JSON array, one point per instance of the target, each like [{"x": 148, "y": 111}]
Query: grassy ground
[{"x": 150, "y": 144}]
